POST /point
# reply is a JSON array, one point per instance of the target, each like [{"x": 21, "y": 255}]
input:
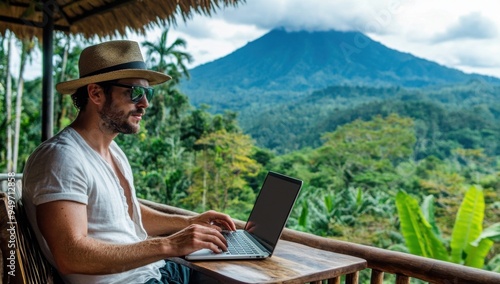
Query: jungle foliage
[{"x": 469, "y": 243}]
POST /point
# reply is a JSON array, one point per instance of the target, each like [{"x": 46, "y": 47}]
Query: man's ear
[{"x": 96, "y": 94}]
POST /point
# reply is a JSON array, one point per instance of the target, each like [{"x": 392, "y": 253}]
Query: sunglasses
[{"x": 137, "y": 92}]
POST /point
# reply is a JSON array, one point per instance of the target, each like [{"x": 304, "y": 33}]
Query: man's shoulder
[
  {"x": 64, "y": 140},
  {"x": 61, "y": 146}
]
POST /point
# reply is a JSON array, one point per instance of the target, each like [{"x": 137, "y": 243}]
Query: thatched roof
[{"x": 101, "y": 17}]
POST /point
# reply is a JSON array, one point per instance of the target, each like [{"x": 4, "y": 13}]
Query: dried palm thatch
[{"x": 100, "y": 17}]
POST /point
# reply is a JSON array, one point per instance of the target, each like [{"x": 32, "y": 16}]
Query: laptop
[{"x": 264, "y": 225}]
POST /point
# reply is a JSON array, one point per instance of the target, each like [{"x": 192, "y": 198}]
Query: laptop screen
[{"x": 272, "y": 208}]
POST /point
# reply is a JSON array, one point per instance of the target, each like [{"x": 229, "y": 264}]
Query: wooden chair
[{"x": 21, "y": 260}]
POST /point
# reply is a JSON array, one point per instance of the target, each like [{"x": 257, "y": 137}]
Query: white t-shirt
[{"x": 66, "y": 168}]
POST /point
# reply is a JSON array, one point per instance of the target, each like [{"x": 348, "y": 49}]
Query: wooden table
[{"x": 290, "y": 263}]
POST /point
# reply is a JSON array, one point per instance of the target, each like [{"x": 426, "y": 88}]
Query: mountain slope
[
  {"x": 446, "y": 118},
  {"x": 281, "y": 66}
]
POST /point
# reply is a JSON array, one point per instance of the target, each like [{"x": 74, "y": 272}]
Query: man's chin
[{"x": 130, "y": 129}]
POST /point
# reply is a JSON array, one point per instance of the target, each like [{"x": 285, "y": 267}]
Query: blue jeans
[{"x": 174, "y": 273}]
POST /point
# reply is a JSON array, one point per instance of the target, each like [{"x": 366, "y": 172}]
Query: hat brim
[{"x": 153, "y": 77}]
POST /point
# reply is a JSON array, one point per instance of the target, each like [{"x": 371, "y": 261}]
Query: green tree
[
  {"x": 218, "y": 179},
  {"x": 349, "y": 180},
  {"x": 364, "y": 153},
  {"x": 26, "y": 46},
  {"x": 169, "y": 103},
  {"x": 158, "y": 154},
  {"x": 67, "y": 51},
  {"x": 167, "y": 58}
]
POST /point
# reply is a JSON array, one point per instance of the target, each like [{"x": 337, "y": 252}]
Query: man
[{"x": 78, "y": 186}]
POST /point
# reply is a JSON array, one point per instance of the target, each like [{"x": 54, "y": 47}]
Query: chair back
[{"x": 22, "y": 260}]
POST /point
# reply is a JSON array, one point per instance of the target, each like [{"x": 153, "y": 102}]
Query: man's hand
[
  {"x": 196, "y": 237},
  {"x": 215, "y": 220}
]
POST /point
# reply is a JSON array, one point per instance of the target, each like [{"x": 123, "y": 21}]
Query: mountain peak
[{"x": 281, "y": 63}]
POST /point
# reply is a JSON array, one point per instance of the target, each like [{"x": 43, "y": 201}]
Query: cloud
[
  {"x": 470, "y": 53},
  {"x": 471, "y": 26},
  {"x": 212, "y": 38},
  {"x": 317, "y": 15},
  {"x": 366, "y": 16},
  {"x": 478, "y": 60}
]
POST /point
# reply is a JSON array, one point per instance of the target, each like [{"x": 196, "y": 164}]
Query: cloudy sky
[{"x": 461, "y": 34}]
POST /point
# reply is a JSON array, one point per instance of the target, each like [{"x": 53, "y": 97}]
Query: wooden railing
[{"x": 380, "y": 261}]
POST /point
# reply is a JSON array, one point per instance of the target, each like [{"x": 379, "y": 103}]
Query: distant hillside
[
  {"x": 466, "y": 116},
  {"x": 282, "y": 66}
]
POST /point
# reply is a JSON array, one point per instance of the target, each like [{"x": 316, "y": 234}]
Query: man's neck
[{"x": 96, "y": 137}]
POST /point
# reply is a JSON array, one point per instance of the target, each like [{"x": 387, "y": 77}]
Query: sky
[{"x": 460, "y": 34}]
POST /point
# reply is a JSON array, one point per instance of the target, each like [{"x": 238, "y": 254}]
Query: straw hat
[{"x": 111, "y": 60}]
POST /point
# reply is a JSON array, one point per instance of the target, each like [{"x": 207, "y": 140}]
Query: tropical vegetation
[{"x": 469, "y": 243}]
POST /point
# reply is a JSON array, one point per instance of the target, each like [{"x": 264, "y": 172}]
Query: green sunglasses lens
[{"x": 138, "y": 92}]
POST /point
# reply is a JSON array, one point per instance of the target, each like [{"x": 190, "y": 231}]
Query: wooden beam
[
  {"x": 47, "y": 89},
  {"x": 30, "y": 23}
]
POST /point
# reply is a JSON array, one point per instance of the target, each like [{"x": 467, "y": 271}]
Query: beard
[{"x": 117, "y": 121}]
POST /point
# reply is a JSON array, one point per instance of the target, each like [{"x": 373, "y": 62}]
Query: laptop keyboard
[{"x": 239, "y": 244}]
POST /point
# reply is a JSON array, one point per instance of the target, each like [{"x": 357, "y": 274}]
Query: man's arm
[
  {"x": 158, "y": 223},
  {"x": 63, "y": 224}
]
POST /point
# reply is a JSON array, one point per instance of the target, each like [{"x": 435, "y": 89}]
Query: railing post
[
  {"x": 377, "y": 277},
  {"x": 402, "y": 279},
  {"x": 352, "y": 278},
  {"x": 335, "y": 280}
]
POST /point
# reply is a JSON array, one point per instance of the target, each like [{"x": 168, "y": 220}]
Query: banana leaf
[
  {"x": 477, "y": 254},
  {"x": 428, "y": 211},
  {"x": 417, "y": 232},
  {"x": 359, "y": 198},
  {"x": 479, "y": 248},
  {"x": 492, "y": 232},
  {"x": 303, "y": 214},
  {"x": 468, "y": 223},
  {"x": 329, "y": 202}
]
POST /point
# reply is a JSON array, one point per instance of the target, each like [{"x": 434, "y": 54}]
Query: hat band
[{"x": 128, "y": 65}]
